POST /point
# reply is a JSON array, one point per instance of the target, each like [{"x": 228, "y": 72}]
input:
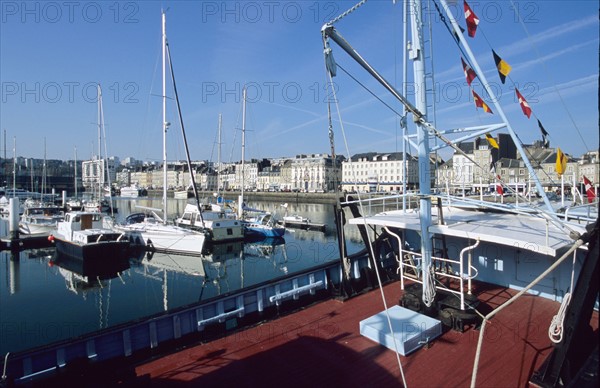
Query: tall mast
[
  {"x": 44, "y": 172},
  {"x": 99, "y": 121},
  {"x": 75, "y": 172},
  {"x": 241, "y": 200},
  {"x": 416, "y": 54},
  {"x": 14, "y": 165},
  {"x": 31, "y": 171},
  {"x": 219, "y": 153},
  {"x": 164, "y": 109},
  {"x": 403, "y": 124},
  {"x": 102, "y": 166}
]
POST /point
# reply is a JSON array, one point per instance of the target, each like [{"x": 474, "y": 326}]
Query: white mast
[
  {"x": 75, "y": 172},
  {"x": 219, "y": 154},
  {"x": 14, "y": 166},
  {"x": 98, "y": 160},
  {"x": 164, "y": 109},
  {"x": 44, "y": 172},
  {"x": 241, "y": 199},
  {"x": 416, "y": 54}
]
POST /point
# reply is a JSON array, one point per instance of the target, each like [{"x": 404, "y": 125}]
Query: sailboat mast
[
  {"x": 14, "y": 166},
  {"x": 241, "y": 199},
  {"x": 416, "y": 54},
  {"x": 75, "y": 172},
  {"x": 98, "y": 163},
  {"x": 44, "y": 172},
  {"x": 219, "y": 153},
  {"x": 99, "y": 121},
  {"x": 164, "y": 110}
]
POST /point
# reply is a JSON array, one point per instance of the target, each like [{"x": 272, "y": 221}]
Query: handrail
[{"x": 469, "y": 266}]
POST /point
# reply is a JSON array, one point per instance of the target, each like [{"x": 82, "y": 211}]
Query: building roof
[
  {"x": 378, "y": 157},
  {"x": 510, "y": 163},
  {"x": 467, "y": 147}
]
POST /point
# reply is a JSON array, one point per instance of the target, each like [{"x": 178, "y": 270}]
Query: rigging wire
[
  {"x": 419, "y": 118},
  {"x": 370, "y": 91},
  {"x": 371, "y": 250},
  {"x": 516, "y": 9},
  {"x": 466, "y": 59}
]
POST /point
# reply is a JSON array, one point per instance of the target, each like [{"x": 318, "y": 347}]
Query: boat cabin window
[{"x": 135, "y": 218}]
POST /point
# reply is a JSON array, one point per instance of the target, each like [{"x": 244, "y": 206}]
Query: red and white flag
[
  {"x": 589, "y": 189},
  {"x": 471, "y": 19},
  {"x": 469, "y": 72},
  {"x": 524, "y": 105},
  {"x": 499, "y": 188}
]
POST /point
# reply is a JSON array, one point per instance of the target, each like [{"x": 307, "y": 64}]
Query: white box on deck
[{"x": 411, "y": 329}]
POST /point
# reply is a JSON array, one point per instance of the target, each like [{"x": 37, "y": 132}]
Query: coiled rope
[{"x": 555, "y": 331}]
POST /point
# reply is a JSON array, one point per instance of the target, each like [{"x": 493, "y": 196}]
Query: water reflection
[
  {"x": 43, "y": 290},
  {"x": 91, "y": 280}
]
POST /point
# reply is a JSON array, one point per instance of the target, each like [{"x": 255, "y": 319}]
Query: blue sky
[{"x": 53, "y": 53}]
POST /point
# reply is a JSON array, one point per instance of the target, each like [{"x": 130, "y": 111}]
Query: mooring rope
[{"x": 573, "y": 248}]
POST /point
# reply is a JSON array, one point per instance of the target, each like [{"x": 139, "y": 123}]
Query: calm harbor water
[{"x": 46, "y": 298}]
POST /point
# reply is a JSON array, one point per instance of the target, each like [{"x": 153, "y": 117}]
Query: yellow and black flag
[{"x": 503, "y": 67}]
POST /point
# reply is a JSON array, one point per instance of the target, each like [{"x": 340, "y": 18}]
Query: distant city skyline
[{"x": 53, "y": 55}]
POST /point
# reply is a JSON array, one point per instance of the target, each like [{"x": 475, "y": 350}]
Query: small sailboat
[
  {"x": 219, "y": 221},
  {"x": 260, "y": 223},
  {"x": 150, "y": 229},
  {"x": 99, "y": 202}
]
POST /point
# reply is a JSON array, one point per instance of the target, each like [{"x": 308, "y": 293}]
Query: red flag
[
  {"x": 471, "y": 19},
  {"x": 499, "y": 188},
  {"x": 523, "y": 103},
  {"x": 589, "y": 189},
  {"x": 480, "y": 103},
  {"x": 469, "y": 72}
]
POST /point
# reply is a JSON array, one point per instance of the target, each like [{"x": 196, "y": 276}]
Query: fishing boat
[
  {"x": 81, "y": 235},
  {"x": 148, "y": 228},
  {"x": 446, "y": 254},
  {"x": 40, "y": 220}
]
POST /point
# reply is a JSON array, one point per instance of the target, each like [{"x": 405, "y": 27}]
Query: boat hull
[
  {"x": 102, "y": 250},
  {"x": 261, "y": 230},
  {"x": 166, "y": 240}
]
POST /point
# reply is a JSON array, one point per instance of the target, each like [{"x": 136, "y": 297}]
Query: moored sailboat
[{"x": 152, "y": 230}]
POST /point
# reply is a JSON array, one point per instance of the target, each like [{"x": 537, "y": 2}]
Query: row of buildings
[
  {"x": 469, "y": 171},
  {"x": 310, "y": 173},
  {"x": 477, "y": 168}
]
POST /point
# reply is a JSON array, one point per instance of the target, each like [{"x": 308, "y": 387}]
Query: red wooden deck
[{"x": 321, "y": 346}]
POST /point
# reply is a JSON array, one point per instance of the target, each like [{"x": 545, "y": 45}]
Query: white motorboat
[
  {"x": 221, "y": 225},
  {"x": 40, "y": 220},
  {"x": 81, "y": 235}
]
